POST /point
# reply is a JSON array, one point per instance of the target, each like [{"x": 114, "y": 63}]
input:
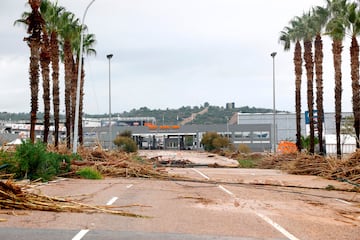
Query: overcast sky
[{"x": 173, "y": 53}]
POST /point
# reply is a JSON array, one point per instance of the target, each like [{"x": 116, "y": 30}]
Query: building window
[
  {"x": 242, "y": 134},
  {"x": 261, "y": 135}
]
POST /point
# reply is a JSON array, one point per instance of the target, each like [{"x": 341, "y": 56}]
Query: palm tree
[
  {"x": 89, "y": 42},
  {"x": 308, "y": 35},
  {"x": 288, "y": 35},
  {"x": 353, "y": 18},
  {"x": 35, "y": 24},
  {"x": 336, "y": 29},
  {"x": 68, "y": 33},
  {"x": 320, "y": 17},
  {"x": 52, "y": 13},
  {"x": 45, "y": 69}
]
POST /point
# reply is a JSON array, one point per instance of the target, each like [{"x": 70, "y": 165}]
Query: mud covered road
[{"x": 212, "y": 203}]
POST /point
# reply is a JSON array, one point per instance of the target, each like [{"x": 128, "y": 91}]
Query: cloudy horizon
[{"x": 169, "y": 54}]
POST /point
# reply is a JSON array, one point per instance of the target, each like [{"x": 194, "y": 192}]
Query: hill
[{"x": 206, "y": 114}]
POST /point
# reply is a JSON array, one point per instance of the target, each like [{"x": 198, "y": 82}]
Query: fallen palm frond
[
  {"x": 13, "y": 197},
  {"x": 347, "y": 169},
  {"x": 118, "y": 164},
  {"x": 311, "y": 165}
]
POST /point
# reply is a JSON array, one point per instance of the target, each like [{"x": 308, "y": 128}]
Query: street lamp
[
  {"x": 274, "y": 110},
  {"x": 109, "y": 56},
  {"x": 77, "y": 106}
]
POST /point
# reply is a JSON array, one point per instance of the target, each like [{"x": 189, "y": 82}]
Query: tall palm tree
[
  {"x": 320, "y": 18},
  {"x": 89, "y": 42},
  {"x": 52, "y": 13},
  {"x": 45, "y": 70},
  {"x": 308, "y": 35},
  {"x": 336, "y": 29},
  {"x": 35, "y": 24},
  {"x": 288, "y": 35},
  {"x": 353, "y": 18},
  {"x": 68, "y": 33}
]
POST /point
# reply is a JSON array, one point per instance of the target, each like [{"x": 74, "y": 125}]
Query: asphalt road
[{"x": 192, "y": 210}]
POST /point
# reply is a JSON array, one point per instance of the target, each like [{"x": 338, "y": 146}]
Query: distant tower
[{"x": 230, "y": 105}]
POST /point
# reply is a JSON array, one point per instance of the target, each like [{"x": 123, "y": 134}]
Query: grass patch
[
  {"x": 89, "y": 173},
  {"x": 246, "y": 163}
]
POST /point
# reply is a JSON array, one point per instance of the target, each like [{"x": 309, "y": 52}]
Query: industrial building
[{"x": 255, "y": 130}]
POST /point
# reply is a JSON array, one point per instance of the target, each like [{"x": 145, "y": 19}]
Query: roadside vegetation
[
  {"x": 89, "y": 173},
  {"x": 32, "y": 161},
  {"x": 124, "y": 142}
]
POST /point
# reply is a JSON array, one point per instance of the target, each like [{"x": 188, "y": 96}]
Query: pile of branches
[
  {"x": 118, "y": 164},
  {"x": 276, "y": 161},
  {"x": 347, "y": 169},
  {"x": 306, "y": 164},
  {"x": 12, "y": 197}
]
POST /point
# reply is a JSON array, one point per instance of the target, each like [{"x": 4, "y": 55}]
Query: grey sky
[{"x": 173, "y": 53}]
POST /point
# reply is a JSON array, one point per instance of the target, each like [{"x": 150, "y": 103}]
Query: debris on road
[
  {"x": 12, "y": 196},
  {"x": 118, "y": 164},
  {"x": 346, "y": 169}
]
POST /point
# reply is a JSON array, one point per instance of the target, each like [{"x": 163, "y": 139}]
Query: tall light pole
[
  {"x": 109, "y": 56},
  {"x": 77, "y": 106},
  {"x": 274, "y": 109}
]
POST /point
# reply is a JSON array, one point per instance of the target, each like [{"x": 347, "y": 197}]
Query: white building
[{"x": 285, "y": 125}]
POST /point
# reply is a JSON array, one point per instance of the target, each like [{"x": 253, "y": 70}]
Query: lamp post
[
  {"x": 109, "y": 56},
  {"x": 274, "y": 109},
  {"x": 77, "y": 106}
]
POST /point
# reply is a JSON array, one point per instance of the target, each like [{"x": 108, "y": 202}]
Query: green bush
[
  {"x": 305, "y": 142},
  {"x": 89, "y": 173},
  {"x": 213, "y": 141},
  {"x": 126, "y": 133},
  {"x": 125, "y": 144},
  {"x": 246, "y": 163},
  {"x": 32, "y": 161}
]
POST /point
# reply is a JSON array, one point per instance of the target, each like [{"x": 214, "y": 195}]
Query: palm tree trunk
[
  {"x": 337, "y": 49},
  {"x": 45, "y": 63},
  {"x": 309, "y": 65},
  {"x": 55, "y": 78},
  {"x": 34, "y": 84},
  {"x": 68, "y": 78},
  {"x": 319, "y": 90},
  {"x": 35, "y": 24},
  {"x": 354, "y": 53},
  {"x": 298, "y": 73}
]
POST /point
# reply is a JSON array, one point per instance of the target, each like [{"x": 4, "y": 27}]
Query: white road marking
[
  {"x": 203, "y": 175},
  {"x": 343, "y": 201},
  {"x": 225, "y": 190},
  {"x": 111, "y": 201},
  {"x": 277, "y": 226},
  {"x": 80, "y": 234},
  {"x": 83, "y": 232},
  {"x": 265, "y": 218}
]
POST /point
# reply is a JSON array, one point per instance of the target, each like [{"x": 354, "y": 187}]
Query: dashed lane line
[
  {"x": 80, "y": 234},
  {"x": 111, "y": 201},
  {"x": 200, "y": 173},
  {"x": 343, "y": 201},
  {"x": 262, "y": 216},
  {"x": 83, "y": 232},
  {"x": 226, "y": 191},
  {"x": 276, "y": 226}
]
